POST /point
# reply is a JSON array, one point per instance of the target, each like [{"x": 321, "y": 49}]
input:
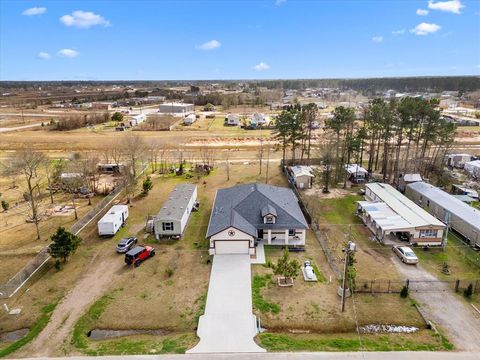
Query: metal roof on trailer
[
  {"x": 174, "y": 207},
  {"x": 385, "y": 217},
  {"x": 448, "y": 202},
  {"x": 403, "y": 206}
]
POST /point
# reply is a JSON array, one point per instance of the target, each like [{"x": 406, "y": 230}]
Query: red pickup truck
[{"x": 139, "y": 254}]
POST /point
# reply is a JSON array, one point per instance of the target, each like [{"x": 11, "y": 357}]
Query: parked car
[
  {"x": 139, "y": 254},
  {"x": 126, "y": 244},
  {"x": 405, "y": 254}
]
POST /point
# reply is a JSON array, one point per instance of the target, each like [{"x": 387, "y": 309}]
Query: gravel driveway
[{"x": 444, "y": 308}]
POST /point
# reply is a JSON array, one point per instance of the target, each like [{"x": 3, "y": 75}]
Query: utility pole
[
  {"x": 349, "y": 249},
  {"x": 268, "y": 162}
]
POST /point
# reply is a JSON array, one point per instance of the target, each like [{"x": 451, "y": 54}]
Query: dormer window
[{"x": 269, "y": 214}]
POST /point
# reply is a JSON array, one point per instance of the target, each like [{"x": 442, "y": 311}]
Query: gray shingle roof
[
  {"x": 241, "y": 207},
  {"x": 269, "y": 210},
  {"x": 174, "y": 207}
]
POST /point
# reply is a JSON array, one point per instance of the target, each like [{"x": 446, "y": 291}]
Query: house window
[
  {"x": 167, "y": 226},
  {"x": 428, "y": 233},
  {"x": 291, "y": 232},
  {"x": 269, "y": 219},
  {"x": 428, "y": 203}
]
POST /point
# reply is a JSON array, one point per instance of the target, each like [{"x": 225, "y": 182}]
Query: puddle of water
[
  {"x": 102, "y": 334},
  {"x": 15, "y": 335}
]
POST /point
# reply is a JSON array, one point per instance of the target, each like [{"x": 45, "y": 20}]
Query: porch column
[
  {"x": 269, "y": 237},
  {"x": 286, "y": 237},
  {"x": 304, "y": 234}
]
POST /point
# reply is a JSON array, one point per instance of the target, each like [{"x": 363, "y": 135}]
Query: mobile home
[
  {"x": 459, "y": 216},
  {"x": 173, "y": 217},
  {"x": 113, "y": 220}
]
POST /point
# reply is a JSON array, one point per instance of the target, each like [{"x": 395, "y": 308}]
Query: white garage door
[{"x": 231, "y": 247}]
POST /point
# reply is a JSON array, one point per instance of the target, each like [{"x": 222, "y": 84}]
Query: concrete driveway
[
  {"x": 228, "y": 325},
  {"x": 443, "y": 307}
]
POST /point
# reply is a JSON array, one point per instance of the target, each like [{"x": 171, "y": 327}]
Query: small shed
[
  {"x": 175, "y": 212},
  {"x": 190, "y": 119},
  {"x": 405, "y": 179},
  {"x": 356, "y": 173},
  {"x": 302, "y": 176}
]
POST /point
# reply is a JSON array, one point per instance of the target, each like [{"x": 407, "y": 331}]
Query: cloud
[
  {"x": 68, "y": 53},
  {"x": 35, "y": 11},
  {"x": 377, "y": 39},
  {"x": 84, "y": 19},
  {"x": 261, "y": 66},
  {"x": 425, "y": 29},
  {"x": 280, "y": 2},
  {"x": 210, "y": 45},
  {"x": 44, "y": 55},
  {"x": 452, "y": 6},
  {"x": 398, "y": 32},
  {"x": 422, "y": 12}
]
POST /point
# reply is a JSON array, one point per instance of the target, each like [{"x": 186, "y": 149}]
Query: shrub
[
  {"x": 468, "y": 292},
  {"x": 5, "y": 205},
  {"x": 147, "y": 185},
  {"x": 404, "y": 292},
  {"x": 169, "y": 271}
]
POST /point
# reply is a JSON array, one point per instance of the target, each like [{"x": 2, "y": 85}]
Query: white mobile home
[
  {"x": 173, "y": 217},
  {"x": 232, "y": 120},
  {"x": 458, "y": 160},
  {"x": 356, "y": 173},
  {"x": 137, "y": 119},
  {"x": 113, "y": 220},
  {"x": 459, "y": 216},
  {"x": 473, "y": 168},
  {"x": 190, "y": 119},
  {"x": 387, "y": 212}
]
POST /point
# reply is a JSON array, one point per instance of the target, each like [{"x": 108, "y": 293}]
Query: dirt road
[
  {"x": 92, "y": 285},
  {"x": 443, "y": 307}
]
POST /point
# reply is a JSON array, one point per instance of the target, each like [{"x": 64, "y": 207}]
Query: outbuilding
[
  {"x": 458, "y": 160},
  {"x": 232, "y": 120},
  {"x": 473, "y": 168},
  {"x": 175, "y": 212},
  {"x": 356, "y": 173},
  {"x": 301, "y": 175},
  {"x": 455, "y": 213},
  {"x": 405, "y": 179},
  {"x": 113, "y": 220},
  {"x": 176, "y": 108},
  {"x": 190, "y": 119}
]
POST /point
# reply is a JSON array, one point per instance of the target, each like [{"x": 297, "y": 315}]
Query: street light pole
[{"x": 350, "y": 248}]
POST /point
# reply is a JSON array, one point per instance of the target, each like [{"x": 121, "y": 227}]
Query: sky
[{"x": 264, "y": 39}]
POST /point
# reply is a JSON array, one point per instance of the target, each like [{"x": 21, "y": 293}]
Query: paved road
[
  {"x": 228, "y": 325},
  {"x": 444, "y": 308},
  {"x": 420, "y": 355}
]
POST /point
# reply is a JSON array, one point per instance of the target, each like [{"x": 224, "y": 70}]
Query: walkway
[{"x": 228, "y": 324}]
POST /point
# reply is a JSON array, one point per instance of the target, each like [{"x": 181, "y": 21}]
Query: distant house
[
  {"x": 457, "y": 160},
  {"x": 356, "y": 173},
  {"x": 301, "y": 175},
  {"x": 232, "y": 120},
  {"x": 473, "y": 168},
  {"x": 190, "y": 119},
  {"x": 405, "y": 179},
  {"x": 209, "y": 107},
  {"x": 102, "y": 106},
  {"x": 176, "y": 108},
  {"x": 175, "y": 212},
  {"x": 258, "y": 119},
  {"x": 244, "y": 214}
]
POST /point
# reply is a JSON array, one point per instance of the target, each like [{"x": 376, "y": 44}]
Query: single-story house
[
  {"x": 232, "y": 120},
  {"x": 473, "y": 168},
  {"x": 301, "y": 175},
  {"x": 387, "y": 212},
  {"x": 405, "y": 179},
  {"x": 356, "y": 173},
  {"x": 455, "y": 213},
  {"x": 244, "y": 214},
  {"x": 175, "y": 212},
  {"x": 457, "y": 160},
  {"x": 258, "y": 119},
  {"x": 189, "y": 119}
]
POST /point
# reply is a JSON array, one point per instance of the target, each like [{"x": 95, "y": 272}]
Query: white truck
[{"x": 113, "y": 220}]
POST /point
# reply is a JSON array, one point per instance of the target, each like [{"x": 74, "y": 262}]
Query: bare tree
[
  {"x": 134, "y": 148},
  {"x": 27, "y": 163}
]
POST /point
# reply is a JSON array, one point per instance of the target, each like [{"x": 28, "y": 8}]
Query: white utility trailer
[{"x": 113, "y": 220}]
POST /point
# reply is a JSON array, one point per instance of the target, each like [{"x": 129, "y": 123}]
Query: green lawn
[
  {"x": 259, "y": 302},
  {"x": 425, "y": 340}
]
